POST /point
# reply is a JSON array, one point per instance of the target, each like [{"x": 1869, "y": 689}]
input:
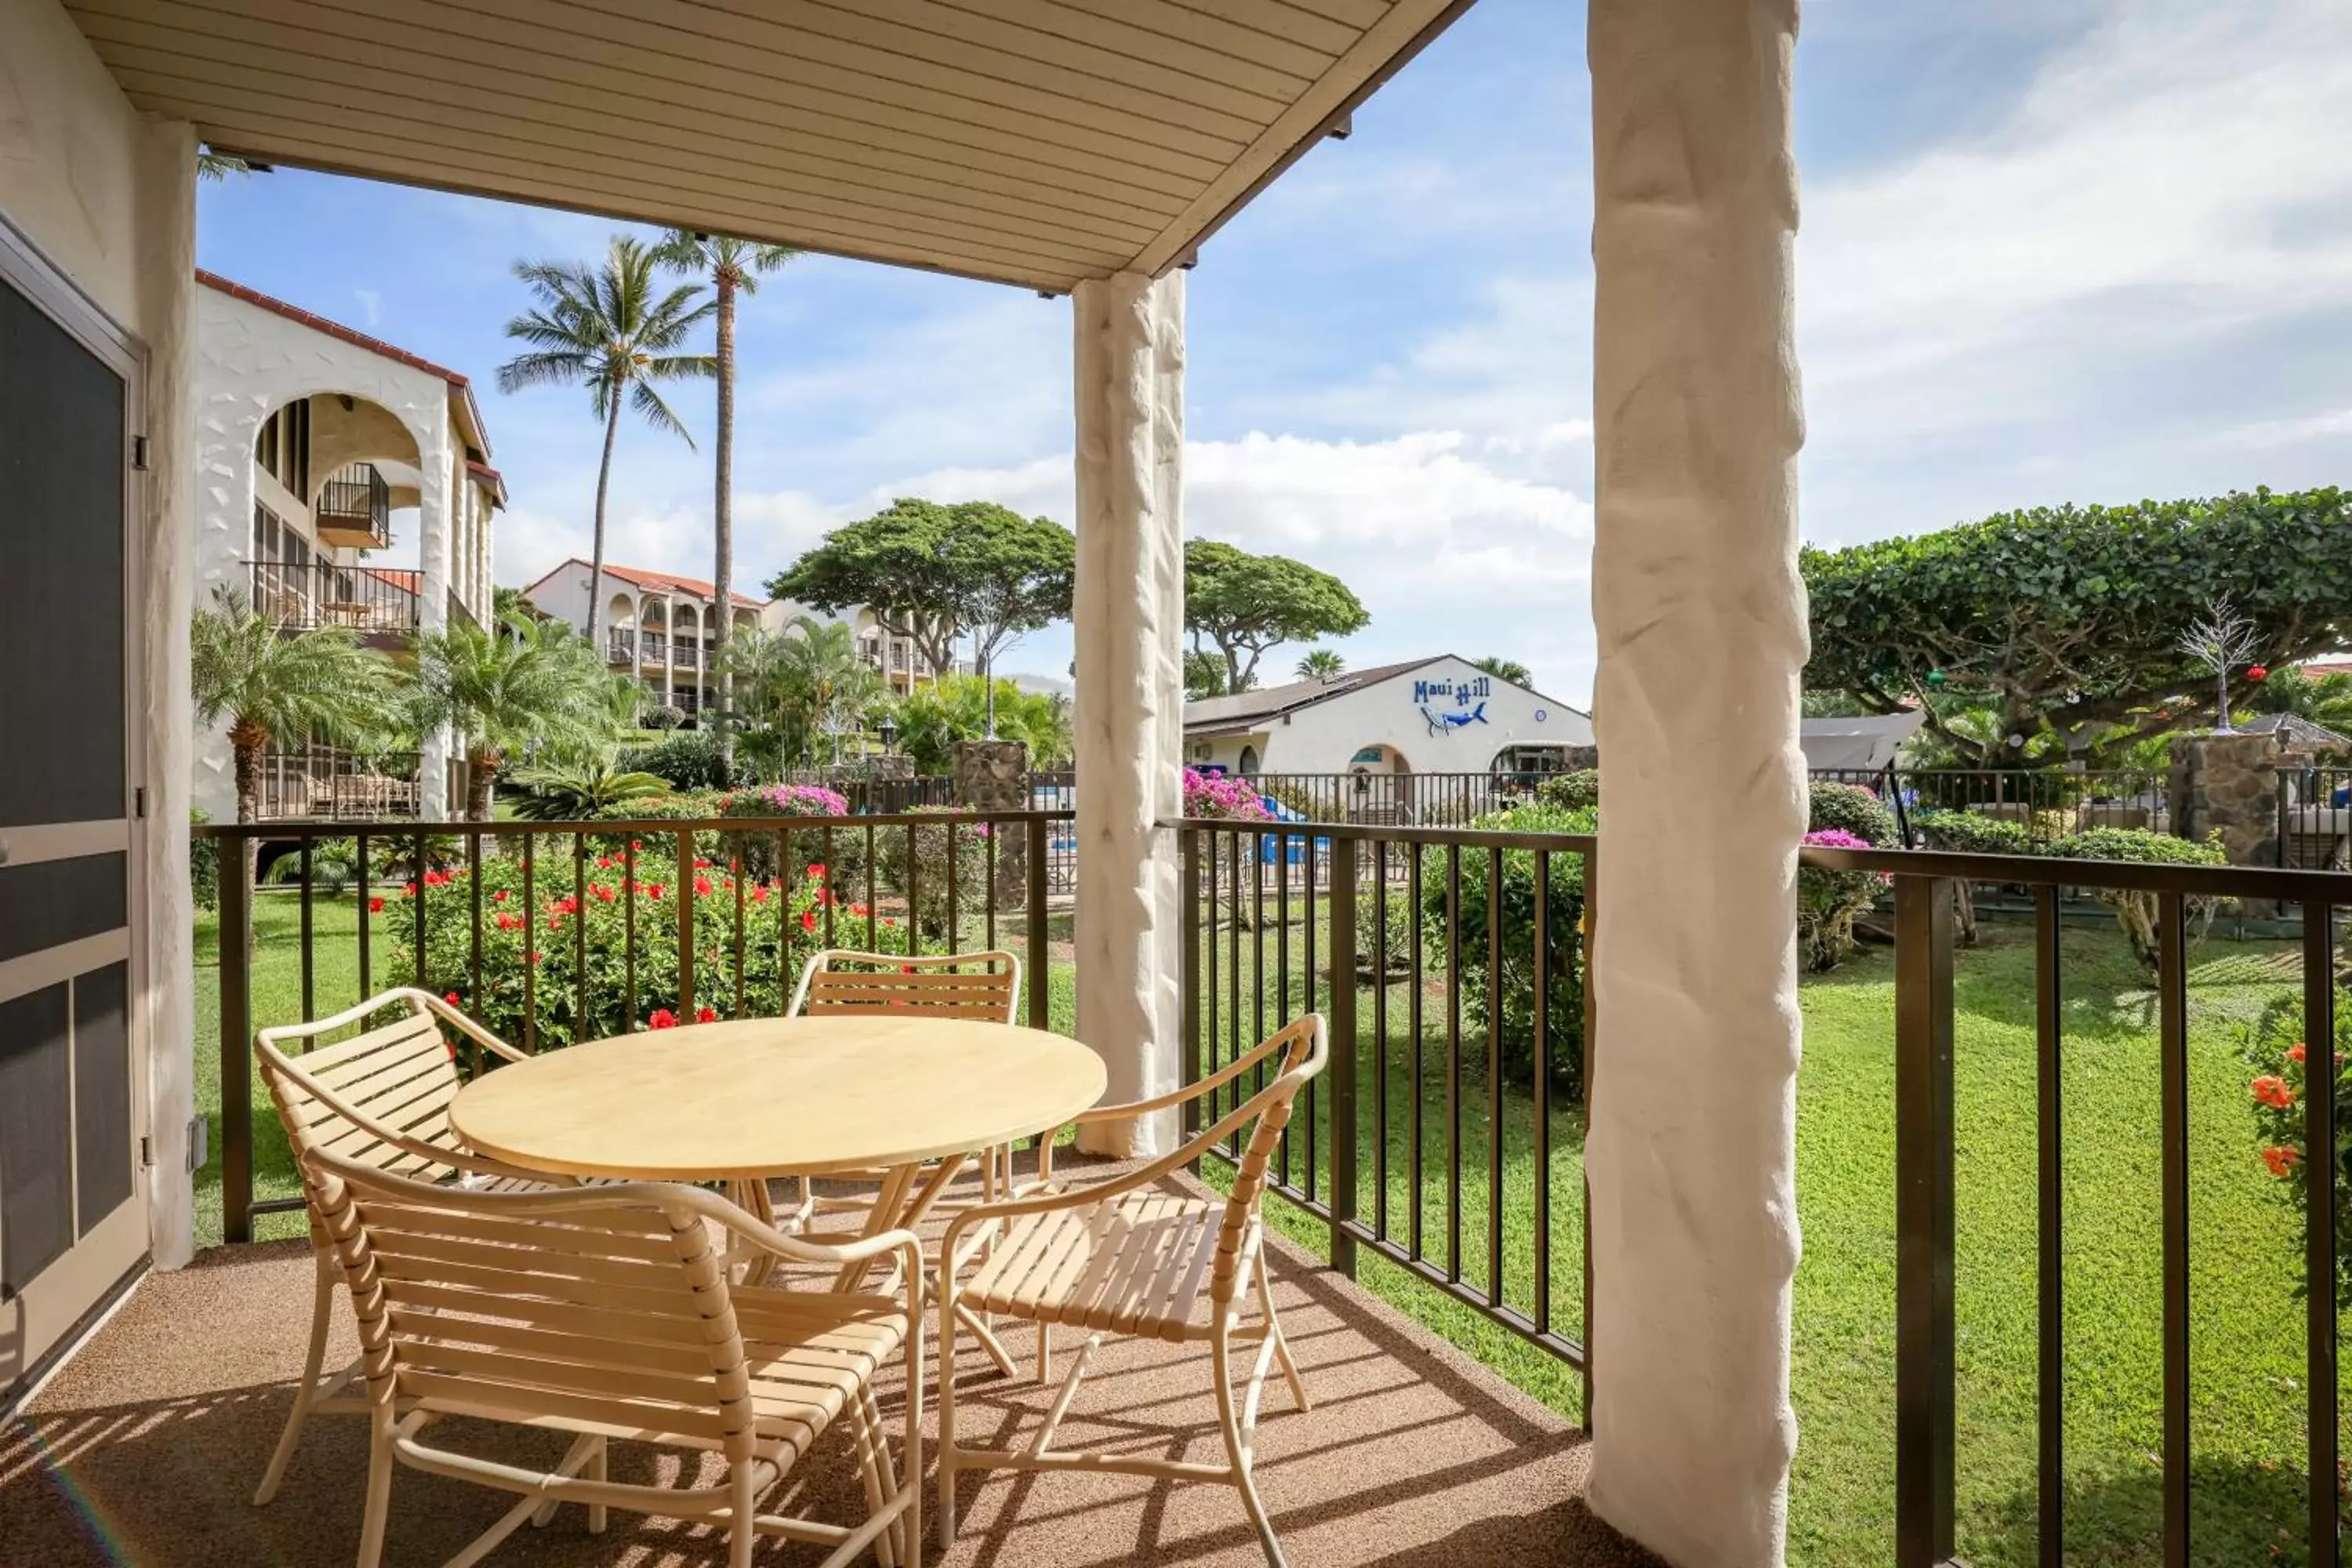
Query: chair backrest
[
  {"x": 354, "y": 1098},
  {"x": 1298, "y": 1049},
  {"x": 590, "y": 1304},
  {"x": 981, "y": 986}
]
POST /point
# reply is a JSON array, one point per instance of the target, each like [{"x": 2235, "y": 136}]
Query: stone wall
[
  {"x": 993, "y": 775},
  {"x": 2228, "y": 783}
]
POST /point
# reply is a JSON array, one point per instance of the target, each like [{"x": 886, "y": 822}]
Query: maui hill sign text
[{"x": 1450, "y": 705}]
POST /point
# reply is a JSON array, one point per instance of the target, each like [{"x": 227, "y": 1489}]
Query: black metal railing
[
  {"x": 552, "y": 932},
  {"x": 620, "y": 648},
  {"x": 1926, "y": 1424},
  {"x": 320, "y": 593},
  {"x": 1435, "y": 1128},
  {"x": 355, "y": 502},
  {"x": 653, "y": 647},
  {"x": 330, "y": 784},
  {"x": 1403, "y": 800}
]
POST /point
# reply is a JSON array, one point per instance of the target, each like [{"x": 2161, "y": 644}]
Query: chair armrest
[
  {"x": 794, "y": 1250},
  {"x": 462, "y": 1024},
  {"x": 1191, "y": 1091}
]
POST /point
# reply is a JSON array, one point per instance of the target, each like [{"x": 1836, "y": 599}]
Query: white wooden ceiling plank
[
  {"x": 1254, "y": 85},
  {"x": 736, "y": 73},
  {"x": 1234, "y": 25},
  {"x": 587, "y": 153},
  {"x": 1361, "y": 15},
  {"x": 897, "y": 76},
  {"x": 383, "y": 149}
]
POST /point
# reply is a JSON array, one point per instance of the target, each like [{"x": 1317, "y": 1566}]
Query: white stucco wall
[
  {"x": 1325, "y": 738},
  {"x": 250, "y": 363},
  {"x": 109, "y": 198}
]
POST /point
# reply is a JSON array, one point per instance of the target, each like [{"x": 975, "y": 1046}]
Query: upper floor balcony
[
  {"x": 370, "y": 601},
  {"x": 353, "y": 511}
]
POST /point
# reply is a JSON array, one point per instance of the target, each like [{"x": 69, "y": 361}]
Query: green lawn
[{"x": 2247, "y": 1348}]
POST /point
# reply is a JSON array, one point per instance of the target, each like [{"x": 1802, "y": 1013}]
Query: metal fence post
[
  {"x": 1040, "y": 1016},
  {"x": 1343, "y": 1055},
  {"x": 235, "y": 944},
  {"x": 1924, "y": 1424},
  {"x": 684, "y": 892}
]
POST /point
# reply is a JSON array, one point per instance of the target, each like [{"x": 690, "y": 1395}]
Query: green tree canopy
[
  {"x": 933, "y": 717},
  {"x": 279, "y": 687},
  {"x": 1320, "y": 664},
  {"x": 934, "y": 571},
  {"x": 2066, "y": 621},
  {"x": 521, "y": 689},
  {"x": 1509, "y": 670},
  {"x": 1242, "y": 604}
]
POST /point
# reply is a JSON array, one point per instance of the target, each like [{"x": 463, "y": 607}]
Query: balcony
[
  {"x": 620, "y": 648},
  {"x": 326, "y": 783},
  {"x": 652, "y": 648},
  {"x": 373, "y": 602},
  {"x": 354, "y": 509}
]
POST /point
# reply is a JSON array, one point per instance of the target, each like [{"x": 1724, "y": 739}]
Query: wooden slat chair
[
  {"x": 380, "y": 1097},
  {"x": 1121, "y": 1256},
  {"x": 608, "y": 1313},
  {"x": 982, "y": 988}
]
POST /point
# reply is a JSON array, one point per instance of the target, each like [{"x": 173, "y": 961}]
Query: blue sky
[{"x": 2052, "y": 250}]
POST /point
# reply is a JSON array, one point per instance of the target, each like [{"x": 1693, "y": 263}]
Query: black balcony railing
[
  {"x": 363, "y": 599},
  {"x": 620, "y": 648},
  {"x": 326, "y": 781},
  {"x": 552, "y": 932},
  {"x": 354, "y": 509},
  {"x": 653, "y": 647}
]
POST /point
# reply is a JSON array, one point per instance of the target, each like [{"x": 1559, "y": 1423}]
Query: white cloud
[{"x": 2268, "y": 433}]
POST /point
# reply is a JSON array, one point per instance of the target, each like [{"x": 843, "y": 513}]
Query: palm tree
[
  {"x": 273, "y": 685},
  {"x": 519, "y": 688},
  {"x": 840, "y": 686},
  {"x": 609, "y": 332},
  {"x": 734, "y": 266},
  {"x": 1320, "y": 664},
  {"x": 1502, "y": 669},
  {"x": 580, "y": 794}
]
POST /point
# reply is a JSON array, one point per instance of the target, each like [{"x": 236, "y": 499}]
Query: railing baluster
[
  {"x": 2050, "y": 1268},
  {"x": 737, "y": 873},
  {"x": 2320, "y": 1262},
  {"x": 579, "y": 940},
  {"x": 1040, "y": 953},
  {"x": 418, "y": 890},
  {"x": 1542, "y": 1087},
  {"x": 1453, "y": 1062},
  {"x": 1587, "y": 930},
  {"x": 1380, "y": 1037},
  {"x": 1341, "y": 1191},
  {"x": 473, "y": 930},
  {"x": 1414, "y": 1028},
  {"x": 684, "y": 894},
  {"x": 309, "y": 986},
  {"x": 629, "y": 934},
  {"x": 1495, "y": 1075},
  {"x": 914, "y": 904},
  {"x": 234, "y": 955},
  {"x": 530, "y": 954},
  {"x": 2172, "y": 1011},
  {"x": 362, "y": 896},
  {"x": 1306, "y": 985},
  {"x": 1189, "y": 977},
  {"x": 1924, "y": 1434}
]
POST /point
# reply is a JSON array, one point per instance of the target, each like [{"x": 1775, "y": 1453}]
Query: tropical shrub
[
  {"x": 1564, "y": 958},
  {"x": 204, "y": 864},
  {"x": 1855, "y": 809},
  {"x": 1223, "y": 797},
  {"x": 1971, "y": 832},
  {"x": 1401, "y": 919},
  {"x": 759, "y": 851},
  {"x": 2275, "y": 1050},
  {"x": 334, "y": 866},
  {"x": 1579, "y": 790},
  {"x": 2136, "y": 912},
  {"x": 1828, "y": 901},
  {"x": 689, "y": 759},
  {"x": 583, "y": 794},
  {"x": 917, "y": 856},
  {"x": 783, "y": 924}
]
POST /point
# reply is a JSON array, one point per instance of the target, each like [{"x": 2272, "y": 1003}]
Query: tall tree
[
  {"x": 1320, "y": 664},
  {"x": 276, "y": 685},
  {"x": 524, "y": 687},
  {"x": 838, "y": 686},
  {"x": 614, "y": 331},
  {"x": 1243, "y": 605},
  {"x": 2064, "y": 623},
  {"x": 933, "y": 719},
  {"x": 933, "y": 573},
  {"x": 734, "y": 266}
]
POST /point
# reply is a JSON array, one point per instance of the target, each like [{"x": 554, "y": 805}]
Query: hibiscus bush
[
  {"x": 566, "y": 922},
  {"x": 2278, "y": 1056},
  {"x": 758, "y": 850}
]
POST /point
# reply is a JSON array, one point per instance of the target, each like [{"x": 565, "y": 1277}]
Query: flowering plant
[
  {"x": 592, "y": 951},
  {"x": 2279, "y": 1055},
  {"x": 1828, "y": 901},
  {"x": 786, "y": 800},
  {"x": 1223, "y": 797}
]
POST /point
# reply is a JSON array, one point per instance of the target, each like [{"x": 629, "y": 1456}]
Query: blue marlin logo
[{"x": 1441, "y": 722}]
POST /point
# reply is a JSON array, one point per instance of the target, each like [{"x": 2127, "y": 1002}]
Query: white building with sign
[{"x": 1441, "y": 715}]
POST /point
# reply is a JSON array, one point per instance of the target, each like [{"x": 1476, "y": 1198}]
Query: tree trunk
[
  {"x": 985, "y": 663},
  {"x": 596, "y": 554},
  {"x": 481, "y": 775},
  {"x": 246, "y": 738},
  {"x": 723, "y": 515}
]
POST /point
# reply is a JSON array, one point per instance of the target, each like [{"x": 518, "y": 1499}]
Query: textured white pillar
[
  {"x": 1701, "y": 616},
  {"x": 438, "y": 468},
  {"x": 167, "y": 247},
  {"x": 1129, "y": 706}
]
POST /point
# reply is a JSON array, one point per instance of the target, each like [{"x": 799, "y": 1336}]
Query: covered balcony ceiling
[{"x": 1039, "y": 142}]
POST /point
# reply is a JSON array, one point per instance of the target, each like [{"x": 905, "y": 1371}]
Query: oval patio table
[{"x": 755, "y": 1098}]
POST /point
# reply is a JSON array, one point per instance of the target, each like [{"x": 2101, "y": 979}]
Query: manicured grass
[{"x": 2247, "y": 1347}]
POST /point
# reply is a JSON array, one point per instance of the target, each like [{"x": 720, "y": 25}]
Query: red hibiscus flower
[
  {"x": 816, "y": 872},
  {"x": 450, "y": 997},
  {"x": 808, "y": 919},
  {"x": 760, "y": 894},
  {"x": 500, "y": 896},
  {"x": 375, "y": 906},
  {"x": 2281, "y": 1162},
  {"x": 2272, "y": 1091},
  {"x": 2296, "y": 1053},
  {"x": 706, "y": 1014},
  {"x": 858, "y": 910},
  {"x": 663, "y": 1018},
  {"x": 700, "y": 864},
  {"x": 702, "y": 884},
  {"x": 510, "y": 922},
  {"x": 653, "y": 889}
]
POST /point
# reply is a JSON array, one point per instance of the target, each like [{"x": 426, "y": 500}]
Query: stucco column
[
  {"x": 437, "y": 493},
  {"x": 167, "y": 248},
  {"x": 1701, "y": 616},
  {"x": 1129, "y": 712}
]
